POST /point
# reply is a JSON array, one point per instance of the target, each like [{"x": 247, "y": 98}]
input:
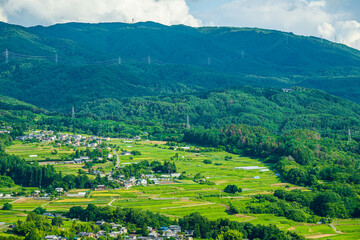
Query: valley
[{"x": 178, "y": 197}]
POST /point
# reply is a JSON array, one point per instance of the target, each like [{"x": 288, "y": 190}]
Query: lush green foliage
[
  {"x": 232, "y": 189},
  {"x": 119, "y": 215},
  {"x": 270, "y": 108},
  {"x": 204, "y": 228},
  {"x": 7, "y": 206}
]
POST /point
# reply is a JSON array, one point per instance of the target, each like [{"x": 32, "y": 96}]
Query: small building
[
  {"x": 59, "y": 190},
  {"x": 189, "y": 233},
  {"x": 141, "y": 182},
  {"x": 101, "y": 234},
  {"x": 51, "y": 237},
  {"x": 175, "y": 228},
  {"x": 100, "y": 223},
  {"x": 86, "y": 234},
  {"x": 100, "y": 187},
  {"x": 287, "y": 90},
  {"x": 77, "y": 160},
  {"x": 126, "y": 153},
  {"x": 114, "y": 234},
  {"x": 48, "y": 214}
]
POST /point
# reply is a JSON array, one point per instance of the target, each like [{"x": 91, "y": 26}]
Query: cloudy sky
[{"x": 336, "y": 20}]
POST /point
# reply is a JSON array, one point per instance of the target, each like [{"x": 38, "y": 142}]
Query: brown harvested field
[{"x": 157, "y": 142}]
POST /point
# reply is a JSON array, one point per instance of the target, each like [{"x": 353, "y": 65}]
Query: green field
[
  {"x": 42, "y": 150},
  {"x": 183, "y": 197}
]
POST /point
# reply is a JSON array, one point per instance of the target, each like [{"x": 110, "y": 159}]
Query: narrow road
[
  {"x": 117, "y": 159},
  {"x": 109, "y": 204},
  {"x": 333, "y": 227}
]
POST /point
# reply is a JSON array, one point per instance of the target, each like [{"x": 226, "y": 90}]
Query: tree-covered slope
[
  {"x": 273, "y": 109},
  {"x": 182, "y": 60}
]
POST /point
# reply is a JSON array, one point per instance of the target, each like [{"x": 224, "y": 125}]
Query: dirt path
[
  {"x": 193, "y": 205},
  {"x": 111, "y": 202},
  {"x": 117, "y": 159},
  {"x": 334, "y": 228},
  {"x": 17, "y": 200}
]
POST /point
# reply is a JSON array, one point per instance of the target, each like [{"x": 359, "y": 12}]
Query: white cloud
[
  {"x": 47, "y": 12},
  {"x": 348, "y": 32},
  {"x": 3, "y": 18},
  {"x": 326, "y": 30},
  {"x": 299, "y": 16},
  {"x": 336, "y": 20}
]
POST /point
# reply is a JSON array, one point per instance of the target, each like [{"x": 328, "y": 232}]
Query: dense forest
[{"x": 270, "y": 108}]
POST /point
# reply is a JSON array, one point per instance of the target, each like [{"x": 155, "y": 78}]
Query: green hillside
[
  {"x": 273, "y": 109},
  {"x": 182, "y": 60}
]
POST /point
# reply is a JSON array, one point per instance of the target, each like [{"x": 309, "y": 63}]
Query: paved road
[{"x": 117, "y": 159}]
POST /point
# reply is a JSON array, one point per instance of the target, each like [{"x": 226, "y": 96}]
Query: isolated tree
[
  {"x": 7, "y": 206},
  {"x": 39, "y": 210},
  {"x": 57, "y": 221},
  {"x": 231, "y": 235},
  {"x": 232, "y": 189},
  {"x": 33, "y": 235}
]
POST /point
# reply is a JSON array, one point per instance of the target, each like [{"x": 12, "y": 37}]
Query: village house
[
  {"x": 175, "y": 228},
  {"x": 51, "y": 237},
  {"x": 141, "y": 182},
  {"x": 126, "y": 153},
  {"x": 100, "y": 234},
  {"x": 86, "y": 234},
  {"x": 100, "y": 187}
]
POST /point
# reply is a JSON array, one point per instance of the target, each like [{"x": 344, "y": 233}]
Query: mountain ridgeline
[{"x": 69, "y": 64}]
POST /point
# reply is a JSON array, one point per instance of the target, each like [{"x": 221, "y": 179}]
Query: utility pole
[
  {"x": 187, "y": 122},
  {"x": 149, "y": 60},
  {"x": 73, "y": 112},
  {"x": 56, "y": 58},
  {"x": 119, "y": 60},
  {"x": 6, "y": 56}
]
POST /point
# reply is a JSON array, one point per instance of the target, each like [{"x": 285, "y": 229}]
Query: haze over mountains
[{"x": 160, "y": 60}]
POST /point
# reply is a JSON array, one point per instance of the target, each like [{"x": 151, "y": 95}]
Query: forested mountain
[
  {"x": 151, "y": 59},
  {"x": 271, "y": 108}
]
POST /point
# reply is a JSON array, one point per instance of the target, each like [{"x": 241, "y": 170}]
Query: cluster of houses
[
  {"x": 173, "y": 231},
  {"x": 145, "y": 179},
  {"x": 6, "y": 129},
  {"x": 64, "y": 139}
]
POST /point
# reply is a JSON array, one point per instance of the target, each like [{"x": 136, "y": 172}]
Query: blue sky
[{"x": 335, "y": 20}]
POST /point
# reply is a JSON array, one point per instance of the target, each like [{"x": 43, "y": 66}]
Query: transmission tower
[
  {"x": 242, "y": 54},
  {"x": 149, "y": 60},
  {"x": 119, "y": 60},
  {"x": 209, "y": 60},
  {"x": 187, "y": 122},
  {"x": 56, "y": 58},
  {"x": 349, "y": 136},
  {"x": 73, "y": 112},
  {"x": 6, "y": 56}
]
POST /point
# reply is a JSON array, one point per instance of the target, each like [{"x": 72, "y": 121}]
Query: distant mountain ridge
[{"x": 152, "y": 59}]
